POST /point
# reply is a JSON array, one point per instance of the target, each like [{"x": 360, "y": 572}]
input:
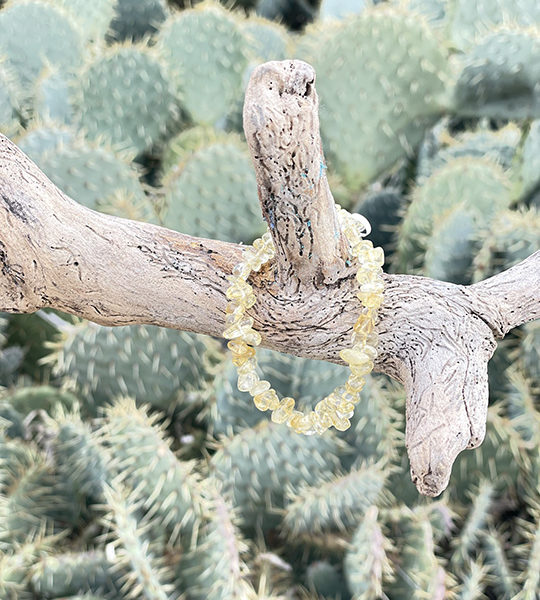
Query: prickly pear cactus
[
  {"x": 206, "y": 53},
  {"x": 130, "y": 464},
  {"x": 200, "y": 195},
  {"x": 152, "y": 364},
  {"x": 33, "y": 34},
  {"x": 107, "y": 106},
  {"x": 402, "y": 89}
]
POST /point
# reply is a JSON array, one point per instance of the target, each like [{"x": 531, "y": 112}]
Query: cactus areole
[{"x": 434, "y": 337}]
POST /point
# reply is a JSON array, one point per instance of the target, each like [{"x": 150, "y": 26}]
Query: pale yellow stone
[
  {"x": 246, "y": 381},
  {"x": 252, "y": 337},
  {"x": 282, "y": 413},
  {"x": 354, "y": 356},
  {"x": 261, "y": 387},
  {"x": 267, "y": 400}
]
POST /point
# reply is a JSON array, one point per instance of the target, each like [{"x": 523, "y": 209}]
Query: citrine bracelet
[{"x": 337, "y": 408}]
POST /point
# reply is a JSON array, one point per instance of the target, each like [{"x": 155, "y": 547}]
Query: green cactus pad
[
  {"x": 151, "y": 364},
  {"x": 434, "y": 11},
  {"x": 80, "y": 458},
  {"x": 375, "y": 108},
  {"x": 33, "y": 34},
  {"x": 31, "y": 497},
  {"x": 417, "y": 571},
  {"x": 530, "y": 160},
  {"x": 214, "y": 195},
  {"x": 512, "y": 237},
  {"x": 215, "y": 569},
  {"x": 137, "y": 19},
  {"x": 499, "y": 146},
  {"x": 471, "y": 20},
  {"x": 267, "y": 40},
  {"x": 334, "y": 503},
  {"x": 92, "y": 18},
  {"x": 146, "y": 573},
  {"x": 374, "y": 435},
  {"x": 500, "y": 76},
  {"x": 451, "y": 247},
  {"x": 52, "y": 101},
  {"x": 384, "y": 211},
  {"x": 479, "y": 186},
  {"x": 91, "y": 175},
  {"x": 498, "y": 564},
  {"x": 181, "y": 147},
  {"x": 38, "y": 140},
  {"x": 475, "y": 523},
  {"x": 73, "y": 573},
  {"x": 42, "y": 397},
  {"x": 530, "y": 350},
  {"x": 205, "y": 51},
  {"x": 256, "y": 466},
  {"x": 366, "y": 561},
  {"x": 341, "y": 9},
  {"x": 10, "y": 99},
  {"x": 125, "y": 98},
  {"x": 141, "y": 457}
]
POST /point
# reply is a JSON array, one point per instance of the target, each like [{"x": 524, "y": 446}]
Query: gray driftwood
[{"x": 436, "y": 338}]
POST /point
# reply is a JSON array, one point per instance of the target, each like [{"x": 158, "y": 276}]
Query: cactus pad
[
  {"x": 125, "y": 98},
  {"x": 205, "y": 51},
  {"x": 215, "y": 195},
  {"x": 375, "y": 111},
  {"x": 35, "y": 33}
]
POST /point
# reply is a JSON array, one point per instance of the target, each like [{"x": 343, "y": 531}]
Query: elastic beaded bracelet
[{"x": 337, "y": 408}]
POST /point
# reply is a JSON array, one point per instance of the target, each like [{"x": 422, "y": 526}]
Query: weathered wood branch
[{"x": 435, "y": 337}]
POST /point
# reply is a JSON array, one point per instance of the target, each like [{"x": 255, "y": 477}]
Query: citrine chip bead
[
  {"x": 252, "y": 337},
  {"x": 239, "y": 359},
  {"x": 267, "y": 400},
  {"x": 354, "y": 356},
  {"x": 239, "y": 329},
  {"x": 283, "y": 412},
  {"x": 247, "y": 381}
]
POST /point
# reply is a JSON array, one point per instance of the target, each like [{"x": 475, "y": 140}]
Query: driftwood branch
[{"x": 435, "y": 337}]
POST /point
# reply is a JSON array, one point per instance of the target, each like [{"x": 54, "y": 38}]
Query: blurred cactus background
[{"x": 130, "y": 467}]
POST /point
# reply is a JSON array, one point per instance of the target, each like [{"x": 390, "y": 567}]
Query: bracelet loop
[{"x": 337, "y": 408}]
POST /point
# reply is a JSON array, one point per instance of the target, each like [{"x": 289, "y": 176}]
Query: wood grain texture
[{"x": 435, "y": 337}]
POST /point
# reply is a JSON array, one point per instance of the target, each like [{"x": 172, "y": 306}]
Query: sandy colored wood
[{"x": 435, "y": 337}]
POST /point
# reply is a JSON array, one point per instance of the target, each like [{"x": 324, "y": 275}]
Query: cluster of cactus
[{"x": 130, "y": 466}]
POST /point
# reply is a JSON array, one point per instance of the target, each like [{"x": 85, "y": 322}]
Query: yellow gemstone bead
[
  {"x": 354, "y": 356},
  {"x": 372, "y": 287},
  {"x": 364, "y": 275},
  {"x": 247, "y": 381},
  {"x": 345, "y": 410},
  {"x": 304, "y": 424},
  {"x": 237, "y": 346},
  {"x": 370, "y": 300},
  {"x": 361, "y": 370},
  {"x": 240, "y": 359},
  {"x": 267, "y": 400},
  {"x": 363, "y": 325},
  {"x": 248, "y": 366},
  {"x": 241, "y": 270},
  {"x": 355, "y": 384},
  {"x": 252, "y": 337},
  {"x": 261, "y": 387},
  {"x": 322, "y": 410},
  {"x": 239, "y": 329},
  {"x": 283, "y": 412},
  {"x": 377, "y": 256},
  {"x": 340, "y": 424}
]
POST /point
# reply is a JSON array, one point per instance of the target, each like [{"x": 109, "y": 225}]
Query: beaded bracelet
[{"x": 338, "y": 407}]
